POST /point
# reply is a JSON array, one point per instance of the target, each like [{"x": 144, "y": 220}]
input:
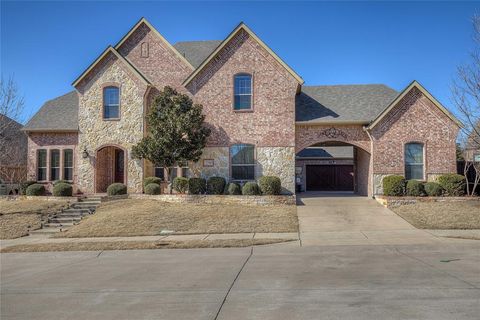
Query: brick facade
[{"x": 269, "y": 126}]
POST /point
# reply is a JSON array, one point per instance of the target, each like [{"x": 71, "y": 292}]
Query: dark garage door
[{"x": 329, "y": 178}]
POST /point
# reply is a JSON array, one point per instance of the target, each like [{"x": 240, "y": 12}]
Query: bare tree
[{"x": 13, "y": 142}]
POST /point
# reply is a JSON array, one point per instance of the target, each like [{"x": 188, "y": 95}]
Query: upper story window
[
  {"x": 242, "y": 159},
  {"x": 42, "y": 165},
  {"x": 414, "y": 161},
  {"x": 242, "y": 92},
  {"x": 111, "y": 103}
]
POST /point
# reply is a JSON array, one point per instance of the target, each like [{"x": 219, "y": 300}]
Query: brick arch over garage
[
  {"x": 354, "y": 135},
  {"x": 308, "y": 135}
]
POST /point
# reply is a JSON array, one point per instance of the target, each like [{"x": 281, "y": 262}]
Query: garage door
[{"x": 329, "y": 178}]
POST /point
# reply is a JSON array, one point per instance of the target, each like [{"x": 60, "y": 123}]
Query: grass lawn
[
  {"x": 132, "y": 217},
  {"x": 441, "y": 215},
  {"x": 19, "y": 216},
  {"x": 131, "y": 245}
]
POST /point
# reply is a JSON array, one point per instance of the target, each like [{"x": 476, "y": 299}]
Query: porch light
[{"x": 85, "y": 153}]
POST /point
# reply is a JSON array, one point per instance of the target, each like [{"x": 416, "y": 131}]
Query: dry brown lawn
[
  {"x": 149, "y": 217},
  {"x": 17, "y": 217},
  {"x": 131, "y": 245},
  {"x": 441, "y": 215}
]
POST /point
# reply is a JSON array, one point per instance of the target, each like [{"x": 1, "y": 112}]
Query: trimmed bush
[
  {"x": 60, "y": 181},
  {"x": 35, "y": 189},
  {"x": 62, "y": 189},
  {"x": 433, "y": 189},
  {"x": 24, "y": 185},
  {"x": 197, "y": 186},
  {"x": 116, "y": 189},
  {"x": 453, "y": 184},
  {"x": 180, "y": 184},
  {"x": 394, "y": 186},
  {"x": 234, "y": 189},
  {"x": 415, "y": 188},
  {"x": 152, "y": 188},
  {"x": 270, "y": 185},
  {"x": 251, "y": 189},
  {"x": 149, "y": 180},
  {"x": 216, "y": 185}
]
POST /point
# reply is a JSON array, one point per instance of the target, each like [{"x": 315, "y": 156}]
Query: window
[
  {"x": 414, "y": 161},
  {"x": 111, "y": 103},
  {"x": 242, "y": 162},
  {"x": 242, "y": 92},
  {"x": 68, "y": 164},
  {"x": 54, "y": 165},
  {"x": 42, "y": 165},
  {"x": 160, "y": 173}
]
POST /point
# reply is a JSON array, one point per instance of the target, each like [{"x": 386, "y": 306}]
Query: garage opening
[{"x": 332, "y": 167}]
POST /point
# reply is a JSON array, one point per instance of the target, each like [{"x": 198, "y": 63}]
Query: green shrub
[
  {"x": 149, "y": 180},
  {"x": 216, "y": 185},
  {"x": 180, "y": 184},
  {"x": 197, "y": 186},
  {"x": 251, "y": 189},
  {"x": 415, "y": 188},
  {"x": 24, "y": 185},
  {"x": 60, "y": 181},
  {"x": 35, "y": 189},
  {"x": 152, "y": 188},
  {"x": 116, "y": 189},
  {"x": 433, "y": 189},
  {"x": 394, "y": 185},
  {"x": 270, "y": 185},
  {"x": 452, "y": 184},
  {"x": 62, "y": 189},
  {"x": 234, "y": 189}
]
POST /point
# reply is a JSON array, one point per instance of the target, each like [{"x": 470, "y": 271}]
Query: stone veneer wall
[
  {"x": 414, "y": 119},
  {"x": 277, "y": 161},
  {"x": 96, "y": 133}
]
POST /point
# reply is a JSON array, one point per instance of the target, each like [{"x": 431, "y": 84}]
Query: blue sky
[{"x": 46, "y": 45}]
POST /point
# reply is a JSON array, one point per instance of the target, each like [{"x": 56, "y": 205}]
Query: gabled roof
[
  {"x": 241, "y": 26},
  {"x": 342, "y": 103},
  {"x": 196, "y": 51},
  {"x": 402, "y": 94},
  {"x": 111, "y": 50},
  {"x": 149, "y": 25},
  {"x": 59, "y": 114}
]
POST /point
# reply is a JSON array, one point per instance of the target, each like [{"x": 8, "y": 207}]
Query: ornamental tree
[{"x": 176, "y": 131}]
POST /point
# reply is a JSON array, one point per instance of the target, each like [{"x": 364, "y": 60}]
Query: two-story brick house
[{"x": 264, "y": 120}]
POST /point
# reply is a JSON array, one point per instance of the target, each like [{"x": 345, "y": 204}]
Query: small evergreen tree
[{"x": 176, "y": 132}]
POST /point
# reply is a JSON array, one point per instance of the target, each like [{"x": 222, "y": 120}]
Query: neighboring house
[
  {"x": 13, "y": 151},
  {"x": 261, "y": 114}
]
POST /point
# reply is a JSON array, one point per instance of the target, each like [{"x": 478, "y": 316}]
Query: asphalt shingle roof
[
  {"x": 196, "y": 51},
  {"x": 57, "y": 114},
  {"x": 327, "y": 152},
  {"x": 342, "y": 103}
]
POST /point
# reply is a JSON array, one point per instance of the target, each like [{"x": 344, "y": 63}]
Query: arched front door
[{"x": 110, "y": 167}]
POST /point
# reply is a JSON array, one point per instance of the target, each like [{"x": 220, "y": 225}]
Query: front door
[
  {"x": 329, "y": 178},
  {"x": 109, "y": 168}
]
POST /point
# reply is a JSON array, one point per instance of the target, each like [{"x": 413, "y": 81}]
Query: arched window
[
  {"x": 414, "y": 161},
  {"x": 242, "y": 92},
  {"x": 111, "y": 103},
  {"x": 242, "y": 160}
]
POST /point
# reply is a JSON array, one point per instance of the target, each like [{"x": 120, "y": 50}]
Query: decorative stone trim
[
  {"x": 398, "y": 201},
  {"x": 40, "y": 198}
]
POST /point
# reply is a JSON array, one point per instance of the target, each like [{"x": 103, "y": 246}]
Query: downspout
[{"x": 372, "y": 182}]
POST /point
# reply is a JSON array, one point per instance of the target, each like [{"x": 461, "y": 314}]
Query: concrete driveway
[
  {"x": 342, "y": 219},
  {"x": 270, "y": 283}
]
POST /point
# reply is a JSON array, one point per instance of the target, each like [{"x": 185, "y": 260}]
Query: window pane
[
  {"x": 111, "y": 102},
  {"x": 42, "y": 174},
  {"x": 414, "y": 153},
  {"x": 242, "y": 154},
  {"x": 414, "y": 172},
  {"x": 42, "y": 158},
  {"x": 55, "y": 174},
  {"x": 243, "y": 172},
  {"x": 243, "y": 102},
  {"x": 68, "y": 173},
  {"x": 111, "y": 96},
  {"x": 242, "y": 92},
  {"x": 68, "y": 158},
  {"x": 55, "y": 158},
  {"x": 159, "y": 173},
  {"x": 111, "y": 112}
]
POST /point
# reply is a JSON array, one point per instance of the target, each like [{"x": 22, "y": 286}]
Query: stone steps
[{"x": 68, "y": 217}]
